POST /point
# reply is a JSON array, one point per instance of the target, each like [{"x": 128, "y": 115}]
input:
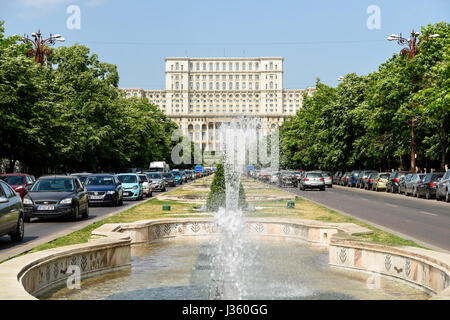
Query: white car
[{"x": 146, "y": 185}]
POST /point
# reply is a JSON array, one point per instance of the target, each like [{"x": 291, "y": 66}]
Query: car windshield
[
  {"x": 154, "y": 175},
  {"x": 314, "y": 175},
  {"x": 53, "y": 185},
  {"x": 13, "y": 180},
  {"x": 127, "y": 178},
  {"x": 99, "y": 181},
  {"x": 168, "y": 175},
  {"x": 384, "y": 176}
]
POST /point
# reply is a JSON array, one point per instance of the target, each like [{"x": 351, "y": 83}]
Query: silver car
[
  {"x": 328, "y": 178},
  {"x": 157, "y": 179},
  {"x": 312, "y": 180}
]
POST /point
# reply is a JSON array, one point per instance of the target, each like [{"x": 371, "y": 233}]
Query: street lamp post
[
  {"x": 411, "y": 50},
  {"x": 39, "y": 43}
]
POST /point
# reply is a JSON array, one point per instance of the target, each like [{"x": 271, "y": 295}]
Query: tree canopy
[
  {"x": 365, "y": 122},
  {"x": 72, "y": 116}
]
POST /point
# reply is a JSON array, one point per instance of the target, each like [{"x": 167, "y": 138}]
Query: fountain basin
[{"x": 34, "y": 274}]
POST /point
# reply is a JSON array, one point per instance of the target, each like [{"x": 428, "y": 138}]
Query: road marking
[
  {"x": 428, "y": 213},
  {"x": 391, "y": 205}
]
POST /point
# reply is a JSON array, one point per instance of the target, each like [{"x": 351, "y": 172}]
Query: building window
[
  {"x": 237, "y": 85},
  {"x": 204, "y": 66},
  {"x": 230, "y": 66},
  {"x": 191, "y": 66},
  {"x": 271, "y": 66},
  {"x": 224, "y": 66},
  {"x": 250, "y": 66},
  {"x": 177, "y": 66},
  {"x": 204, "y": 85},
  {"x": 224, "y": 85},
  {"x": 217, "y": 66},
  {"x": 237, "y": 66},
  {"x": 210, "y": 86},
  {"x": 243, "y": 66},
  {"x": 217, "y": 86},
  {"x": 271, "y": 85},
  {"x": 230, "y": 86},
  {"x": 197, "y": 66},
  {"x": 210, "y": 66}
]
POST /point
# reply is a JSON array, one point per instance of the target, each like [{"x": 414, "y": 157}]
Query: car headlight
[
  {"x": 66, "y": 201},
  {"x": 135, "y": 187},
  {"x": 27, "y": 201},
  {"x": 111, "y": 192}
]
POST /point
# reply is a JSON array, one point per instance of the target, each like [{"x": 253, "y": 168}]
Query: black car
[
  {"x": 392, "y": 185},
  {"x": 11, "y": 213},
  {"x": 428, "y": 186},
  {"x": 104, "y": 189},
  {"x": 170, "y": 179},
  {"x": 56, "y": 196},
  {"x": 443, "y": 187}
]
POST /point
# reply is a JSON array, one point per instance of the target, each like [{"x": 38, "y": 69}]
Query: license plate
[
  {"x": 127, "y": 193},
  {"x": 46, "y": 208},
  {"x": 95, "y": 197}
]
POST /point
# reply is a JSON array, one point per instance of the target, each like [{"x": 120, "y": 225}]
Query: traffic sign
[
  {"x": 250, "y": 168},
  {"x": 199, "y": 168}
]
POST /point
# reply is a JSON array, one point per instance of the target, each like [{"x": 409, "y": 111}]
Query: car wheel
[
  {"x": 76, "y": 214},
  {"x": 447, "y": 196},
  {"x": 150, "y": 195},
  {"x": 86, "y": 213},
  {"x": 322, "y": 189},
  {"x": 18, "y": 234},
  {"x": 428, "y": 195},
  {"x": 121, "y": 202},
  {"x": 438, "y": 197},
  {"x": 27, "y": 219}
]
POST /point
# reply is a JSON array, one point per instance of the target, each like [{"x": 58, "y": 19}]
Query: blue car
[
  {"x": 131, "y": 186},
  {"x": 104, "y": 189},
  {"x": 353, "y": 178},
  {"x": 178, "y": 176}
]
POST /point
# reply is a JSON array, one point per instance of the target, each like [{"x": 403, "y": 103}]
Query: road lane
[
  {"x": 43, "y": 231},
  {"x": 425, "y": 221}
]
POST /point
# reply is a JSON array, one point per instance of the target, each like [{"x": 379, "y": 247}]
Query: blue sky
[{"x": 324, "y": 39}]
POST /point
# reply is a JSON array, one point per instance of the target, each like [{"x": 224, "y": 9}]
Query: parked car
[
  {"x": 287, "y": 179},
  {"x": 380, "y": 181},
  {"x": 337, "y": 176},
  {"x": 351, "y": 182},
  {"x": 274, "y": 177},
  {"x": 147, "y": 187},
  {"x": 362, "y": 177},
  {"x": 427, "y": 187},
  {"x": 131, "y": 186},
  {"x": 56, "y": 196},
  {"x": 11, "y": 213},
  {"x": 328, "y": 177},
  {"x": 368, "y": 182},
  {"x": 170, "y": 179},
  {"x": 344, "y": 179},
  {"x": 393, "y": 182},
  {"x": 312, "y": 180},
  {"x": 402, "y": 182},
  {"x": 190, "y": 174},
  {"x": 104, "y": 189},
  {"x": 82, "y": 176},
  {"x": 443, "y": 187},
  {"x": 20, "y": 182},
  {"x": 412, "y": 183}
]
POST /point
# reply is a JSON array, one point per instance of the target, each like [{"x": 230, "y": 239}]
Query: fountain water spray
[{"x": 230, "y": 259}]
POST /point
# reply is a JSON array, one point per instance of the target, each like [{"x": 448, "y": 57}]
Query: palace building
[{"x": 202, "y": 93}]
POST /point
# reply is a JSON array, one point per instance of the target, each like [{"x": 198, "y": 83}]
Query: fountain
[{"x": 231, "y": 264}]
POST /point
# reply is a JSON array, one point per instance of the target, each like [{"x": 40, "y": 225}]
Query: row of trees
[
  {"x": 72, "y": 116},
  {"x": 365, "y": 122}
]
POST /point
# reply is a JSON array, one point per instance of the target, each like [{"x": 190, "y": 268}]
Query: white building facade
[{"x": 203, "y": 93}]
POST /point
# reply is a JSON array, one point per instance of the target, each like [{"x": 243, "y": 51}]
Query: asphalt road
[
  {"x": 43, "y": 231},
  {"x": 426, "y": 222}
]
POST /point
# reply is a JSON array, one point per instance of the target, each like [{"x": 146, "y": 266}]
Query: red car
[{"x": 18, "y": 181}]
